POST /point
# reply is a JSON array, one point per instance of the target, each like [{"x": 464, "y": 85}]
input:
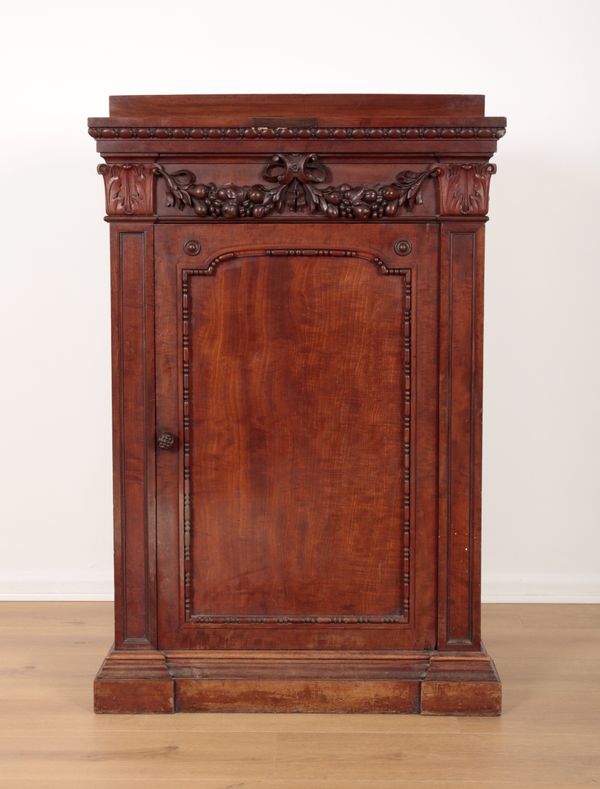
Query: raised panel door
[{"x": 296, "y": 507}]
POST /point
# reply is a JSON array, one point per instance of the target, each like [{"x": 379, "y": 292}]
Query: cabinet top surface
[{"x": 297, "y": 109}]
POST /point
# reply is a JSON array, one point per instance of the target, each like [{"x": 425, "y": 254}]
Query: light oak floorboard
[{"x": 549, "y": 735}]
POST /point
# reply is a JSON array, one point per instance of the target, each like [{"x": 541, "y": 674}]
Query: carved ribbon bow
[{"x": 295, "y": 173}]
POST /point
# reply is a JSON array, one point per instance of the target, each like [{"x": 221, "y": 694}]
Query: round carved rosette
[
  {"x": 403, "y": 247},
  {"x": 192, "y": 247}
]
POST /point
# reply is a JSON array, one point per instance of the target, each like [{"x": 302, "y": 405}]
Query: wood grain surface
[
  {"x": 290, "y": 374},
  {"x": 297, "y": 448},
  {"x": 547, "y": 738},
  {"x": 297, "y": 289}
]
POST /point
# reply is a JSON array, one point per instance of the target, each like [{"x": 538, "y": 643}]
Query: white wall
[{"x": 537, "y": 62}]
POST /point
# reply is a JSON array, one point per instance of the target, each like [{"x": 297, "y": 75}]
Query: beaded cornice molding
[{"x": 296, "y": 132}]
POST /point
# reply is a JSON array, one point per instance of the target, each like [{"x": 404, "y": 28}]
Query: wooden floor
[{"x": 549, "y": 736}]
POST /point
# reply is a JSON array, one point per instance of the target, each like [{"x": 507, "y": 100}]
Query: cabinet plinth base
[
  {"x": 136, "y": 681},
  {"x": 432, "y": 683},
  {"x": 461, "y": 685}
]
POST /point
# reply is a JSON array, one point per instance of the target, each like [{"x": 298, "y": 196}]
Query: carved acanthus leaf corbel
[
  {"x": 129, "y": 188},
  {"x": 464, "y": 187}
]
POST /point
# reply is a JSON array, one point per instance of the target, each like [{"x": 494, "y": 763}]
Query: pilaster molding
[
  {"x": 460, "y": 423},
  {"x": 134, "y": 476},
  {"x": 464, "y": 187},
  {"x": 129, "y": 188}
]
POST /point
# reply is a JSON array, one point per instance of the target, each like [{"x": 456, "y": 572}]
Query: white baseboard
[
  {"x": 95, "y": 586},
  {"x": 23, "y": 597},
  {"x": 497, "y": 588},
  {"x": 540, "y": 588},
  {"x": 547, "y": 599}
]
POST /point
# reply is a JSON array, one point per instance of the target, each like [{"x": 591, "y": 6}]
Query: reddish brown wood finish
[
  {"x": 295, "y": 385},
  {"x": 324, "y": 108},
  {"x": 132, "y": 281},
  {"x": 460, "y": 377},
  {"x": 323, "y": 420},
  {"x": 297, "y": 345},
  {"x": 457, "y": 685}
]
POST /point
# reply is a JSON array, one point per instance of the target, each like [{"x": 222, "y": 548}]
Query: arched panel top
[
  {"x": 320, "y": 353},
  {"x": 278, "y": 252}
]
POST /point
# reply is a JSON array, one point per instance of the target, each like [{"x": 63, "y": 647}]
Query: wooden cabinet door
[{"x": 297, "y": 371}]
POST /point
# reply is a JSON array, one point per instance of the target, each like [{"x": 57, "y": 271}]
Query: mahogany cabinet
[{"x": 297, "y": 287}]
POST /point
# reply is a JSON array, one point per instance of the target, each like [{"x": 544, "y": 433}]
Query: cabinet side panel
[
  {"x": 133, "y": 433},
  {"x": 461, "y": 303}
]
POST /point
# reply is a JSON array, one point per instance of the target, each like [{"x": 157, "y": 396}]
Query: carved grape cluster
[
  {"x": 361, "y": 202},
  {"x": 229, "y": 201}
]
